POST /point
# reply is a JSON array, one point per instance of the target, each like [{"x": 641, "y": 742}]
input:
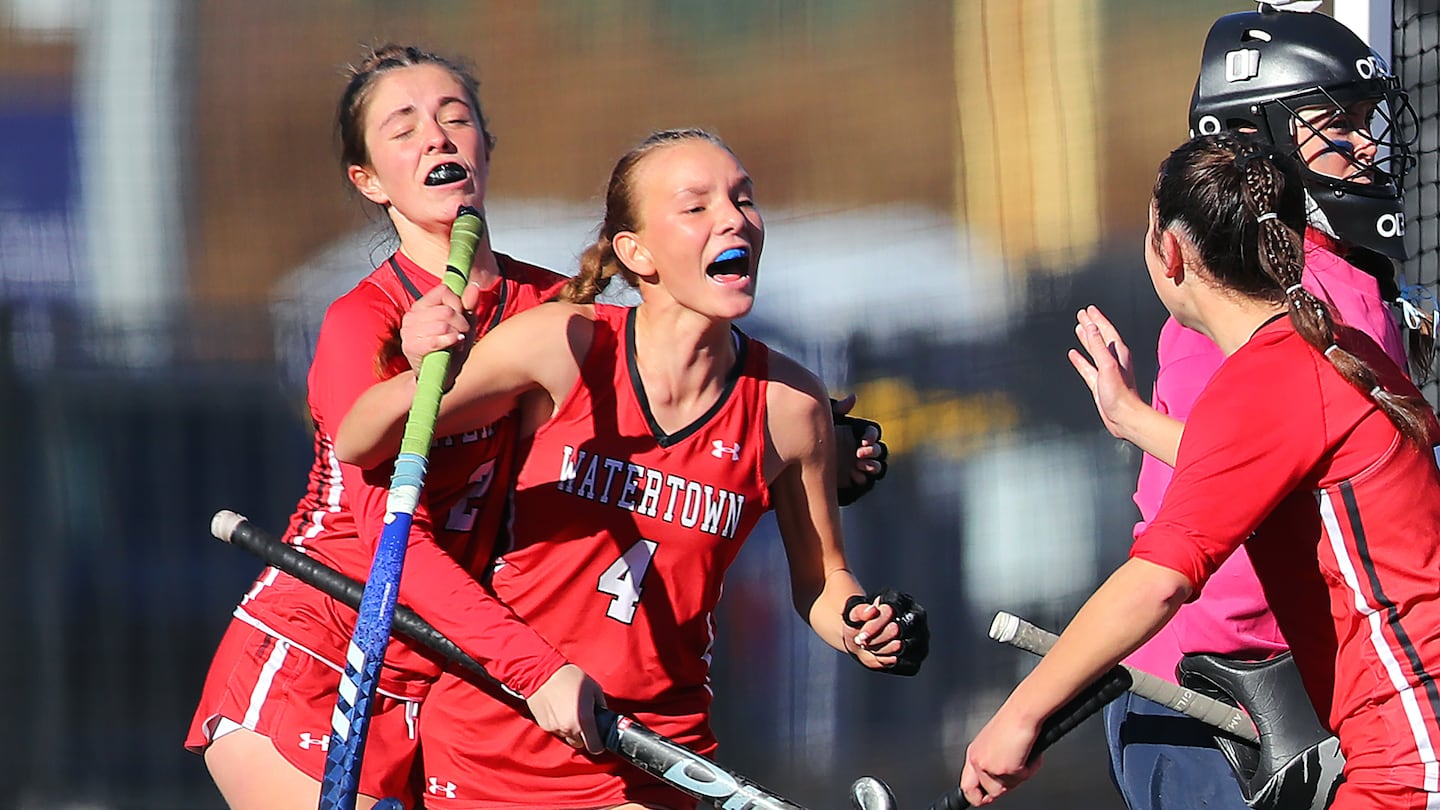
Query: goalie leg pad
[{"x": 1298, "y": 762}]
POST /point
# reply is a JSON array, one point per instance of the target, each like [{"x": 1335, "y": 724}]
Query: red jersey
[
  {"x": 622, "y": 535},
  {"x": 1341, "y": 517},
  {"x": 1232, "y": 617},
  {"x": 339, "y": 520}
]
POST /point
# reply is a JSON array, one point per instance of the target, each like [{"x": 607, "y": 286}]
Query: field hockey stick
[
  {"x": 1062, "y": 721},
  {"x": 1008, "y": 628},
  {"x": 629, "y": 739},
  {"x": 366, "y": 653}
]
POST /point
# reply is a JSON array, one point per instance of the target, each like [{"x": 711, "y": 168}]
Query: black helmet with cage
[{"x": 1260, "y": 68}]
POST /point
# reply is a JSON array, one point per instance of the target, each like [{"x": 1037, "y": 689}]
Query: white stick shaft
[{"x": 1010, "y": 629}]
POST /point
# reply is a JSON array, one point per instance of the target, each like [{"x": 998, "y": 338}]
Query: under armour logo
[
  {"x": 722, "y": 451},
  {"x": 436, "y": 789},
  {"x": 307, "y": 739}
]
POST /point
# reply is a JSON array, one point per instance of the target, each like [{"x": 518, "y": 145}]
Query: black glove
[
  {"x": 849, "y": 492},
  {"x": 914, "y": 627}
]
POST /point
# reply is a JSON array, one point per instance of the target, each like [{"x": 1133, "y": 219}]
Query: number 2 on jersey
[
  {"x": 467, "y": 506},
  {"x": 623, "y": 580}
]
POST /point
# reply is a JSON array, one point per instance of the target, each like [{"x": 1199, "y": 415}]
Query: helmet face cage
[
  {"x": 1288, "y": 76},
  {"x": 1384, "y": 119}
]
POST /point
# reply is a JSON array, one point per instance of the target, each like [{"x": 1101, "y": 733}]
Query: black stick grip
[
  {"x": 237, "y": 531},
  {"x": 1091, "y": 699}
]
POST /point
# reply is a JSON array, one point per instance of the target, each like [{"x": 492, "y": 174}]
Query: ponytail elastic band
[
  {"x": 1267, "y": 215},
  {"x": 1376, "y": 392},
  {"x": 1293, "y": 287},
  {"x": 1333, "y": 348}
]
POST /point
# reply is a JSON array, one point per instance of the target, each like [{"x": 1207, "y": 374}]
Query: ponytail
[
  {"x": 1281, "y": 257},
  {"x": 598, "y": 265},
  {"x": 390, "y": 353}
]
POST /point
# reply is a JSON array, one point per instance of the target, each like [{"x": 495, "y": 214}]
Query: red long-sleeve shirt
[
  {"x": 339, "y": 520},
  {"x": 1341, "y": 518}
]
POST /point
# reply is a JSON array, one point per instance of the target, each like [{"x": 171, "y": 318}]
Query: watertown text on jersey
[{"x": 641, "y": 490}]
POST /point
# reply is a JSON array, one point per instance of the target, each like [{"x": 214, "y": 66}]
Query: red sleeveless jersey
[
  {"x": 621, "y": 537},
  {"x": 642, "y": 524},
  {"x": 340, "y": 518}
]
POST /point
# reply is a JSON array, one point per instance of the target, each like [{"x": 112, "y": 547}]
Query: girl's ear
[
  {"x": 1172, "y": 253},
  {"x": 367, "y": 184},
  {"x": 632, "y": 254}
]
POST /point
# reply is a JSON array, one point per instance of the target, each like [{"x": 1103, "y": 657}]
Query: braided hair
[{"x": 1241, "y": 202}]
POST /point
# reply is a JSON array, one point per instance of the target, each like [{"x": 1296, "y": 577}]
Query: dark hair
[
  {"x": 350, "y": 117},
  {"x": 350, "y": 125},
  {"x": 1241, "y": 202},
  {"x": 598, "y": 264}
]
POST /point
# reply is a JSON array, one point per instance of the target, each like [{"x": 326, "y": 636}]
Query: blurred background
[{"x": 945, "y": 183}]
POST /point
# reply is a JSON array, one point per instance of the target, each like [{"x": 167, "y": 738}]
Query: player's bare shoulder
[
  {"x": 543, "y": 347},
  {"x": 797, "y": 409},
  {"x": 539, "y": 328}
]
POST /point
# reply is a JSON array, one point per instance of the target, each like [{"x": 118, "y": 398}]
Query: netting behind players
[{"x": 1417, "y": 64}]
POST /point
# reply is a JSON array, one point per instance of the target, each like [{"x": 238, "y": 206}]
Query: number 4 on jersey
[{"x": 623, "y": 580}]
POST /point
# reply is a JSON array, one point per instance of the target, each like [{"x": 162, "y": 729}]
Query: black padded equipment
[
  {"x": 1298, "y": 764},
  {"x": 848, "y": 492}
]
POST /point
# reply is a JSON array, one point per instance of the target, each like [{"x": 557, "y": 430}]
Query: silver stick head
[{"x": 869, "y": 793}]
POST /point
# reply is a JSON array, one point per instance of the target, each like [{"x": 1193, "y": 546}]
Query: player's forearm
[
  {"x": 825, "y": 613},
  {"x": 1133, "y": 604},
  {"x": 1153, "y": 432},
  {"x": 370, "y": 433},
  {"x": 444, "y": 593},
  {"x": 808, "y": 519}
]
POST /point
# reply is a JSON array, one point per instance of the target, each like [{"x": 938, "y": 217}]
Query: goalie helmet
[{"x": 1260, "y": 68}]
